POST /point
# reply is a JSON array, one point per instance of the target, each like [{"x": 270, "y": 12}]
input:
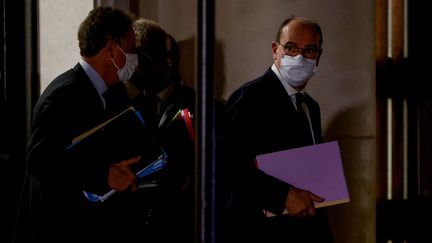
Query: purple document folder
[{"x": 317, "y": 168}]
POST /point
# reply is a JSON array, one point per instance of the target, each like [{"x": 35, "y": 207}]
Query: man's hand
[
  {"x": 300, "y": 203},
  {"x": 120, "y": 176}
]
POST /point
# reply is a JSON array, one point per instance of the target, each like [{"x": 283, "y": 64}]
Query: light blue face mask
[
  {"x": 297, "y": 70},
  {"x": 126, "y": 72}
]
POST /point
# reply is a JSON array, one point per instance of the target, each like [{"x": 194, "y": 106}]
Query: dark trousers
[{"x": 279, "y": 229}]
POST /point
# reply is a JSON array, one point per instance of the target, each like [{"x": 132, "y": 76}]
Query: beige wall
[
  {"x": 58, "y": 41},
  {"x": 344, "y": 84}
]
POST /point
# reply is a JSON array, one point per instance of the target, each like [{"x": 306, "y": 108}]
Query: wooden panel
[
  {"x": 381, "y": 31},
  {"x": 397, "y": 26}
]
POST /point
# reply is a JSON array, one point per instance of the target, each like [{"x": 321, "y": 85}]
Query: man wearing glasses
[{"x": 269, "y": 114}]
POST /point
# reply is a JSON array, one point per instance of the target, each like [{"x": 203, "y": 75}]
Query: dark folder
[{"x": 122, "y": 137}]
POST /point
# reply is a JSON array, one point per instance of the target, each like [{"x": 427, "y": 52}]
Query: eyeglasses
[
  {"x": 147, "y": 56},
  {"x": 149, "y": 62},
  {"x": 293, "y": 50}
]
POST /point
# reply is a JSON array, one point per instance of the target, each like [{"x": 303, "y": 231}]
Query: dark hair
[
  {"x": 102, "y": 24},
  {"x": 151, "y": 38},
  {"x": 306, "y": 20}
]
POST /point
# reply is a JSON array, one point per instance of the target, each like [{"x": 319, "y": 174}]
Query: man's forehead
[{"x": 299, "y": 31}]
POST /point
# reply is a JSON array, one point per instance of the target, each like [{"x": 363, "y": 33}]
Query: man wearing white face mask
[
  {"x": 264, "y": 116},
  {"x": 125, "y": 73},
  {"x": 75, "y": 101}
]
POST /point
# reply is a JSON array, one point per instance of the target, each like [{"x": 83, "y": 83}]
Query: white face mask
[
  {"x": 297, "y": 70},
  {"x": 126, "y": 72}
]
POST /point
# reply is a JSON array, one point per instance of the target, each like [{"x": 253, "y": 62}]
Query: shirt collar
[{"x": 95, "y": 78}]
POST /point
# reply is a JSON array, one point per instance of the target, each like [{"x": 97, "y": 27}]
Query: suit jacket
[
  {"x": 53, "y": 206},
  {"x": 259, "y": 118},
  {"x": 177, "y": 223}
]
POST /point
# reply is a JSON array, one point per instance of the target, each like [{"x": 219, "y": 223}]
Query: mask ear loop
[
  {"x": 112, "y": 59},
  {"x": 124, "y": 53},
  {"x": 115, "y": 64}
]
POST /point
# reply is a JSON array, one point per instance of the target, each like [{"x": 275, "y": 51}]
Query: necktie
[
  {"x": 109, "y": 100},
  {"x": 299, "y": 101},
  {"x": 116, "y": 99},
  {"x": 304, "y": 122}
]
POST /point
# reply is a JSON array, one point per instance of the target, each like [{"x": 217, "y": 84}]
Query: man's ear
[
  {"x": 274, "y": 49},
  {"x": 111, "y": 48}
]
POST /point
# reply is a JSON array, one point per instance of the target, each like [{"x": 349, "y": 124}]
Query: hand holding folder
[
  {"x": 317, "y": 168},
  {"x": 120, "y": 176},
  {"x": 120, "y": 138}
]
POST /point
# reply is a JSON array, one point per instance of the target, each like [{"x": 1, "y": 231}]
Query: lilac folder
[{"x": 317, "y": 168}]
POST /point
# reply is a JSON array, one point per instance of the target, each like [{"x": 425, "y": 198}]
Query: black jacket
[
  {"x": 53, "y": 206},
  {"x": 259, "y": 118}
]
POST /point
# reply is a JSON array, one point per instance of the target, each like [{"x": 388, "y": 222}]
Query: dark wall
[{"x": 17, "y": 74}]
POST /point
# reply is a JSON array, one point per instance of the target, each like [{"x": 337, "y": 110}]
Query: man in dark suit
[
  {"x": 157, "y": 80},
  {"x": 53, "y": 207},
  {"x": 262, "y": 117}
]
